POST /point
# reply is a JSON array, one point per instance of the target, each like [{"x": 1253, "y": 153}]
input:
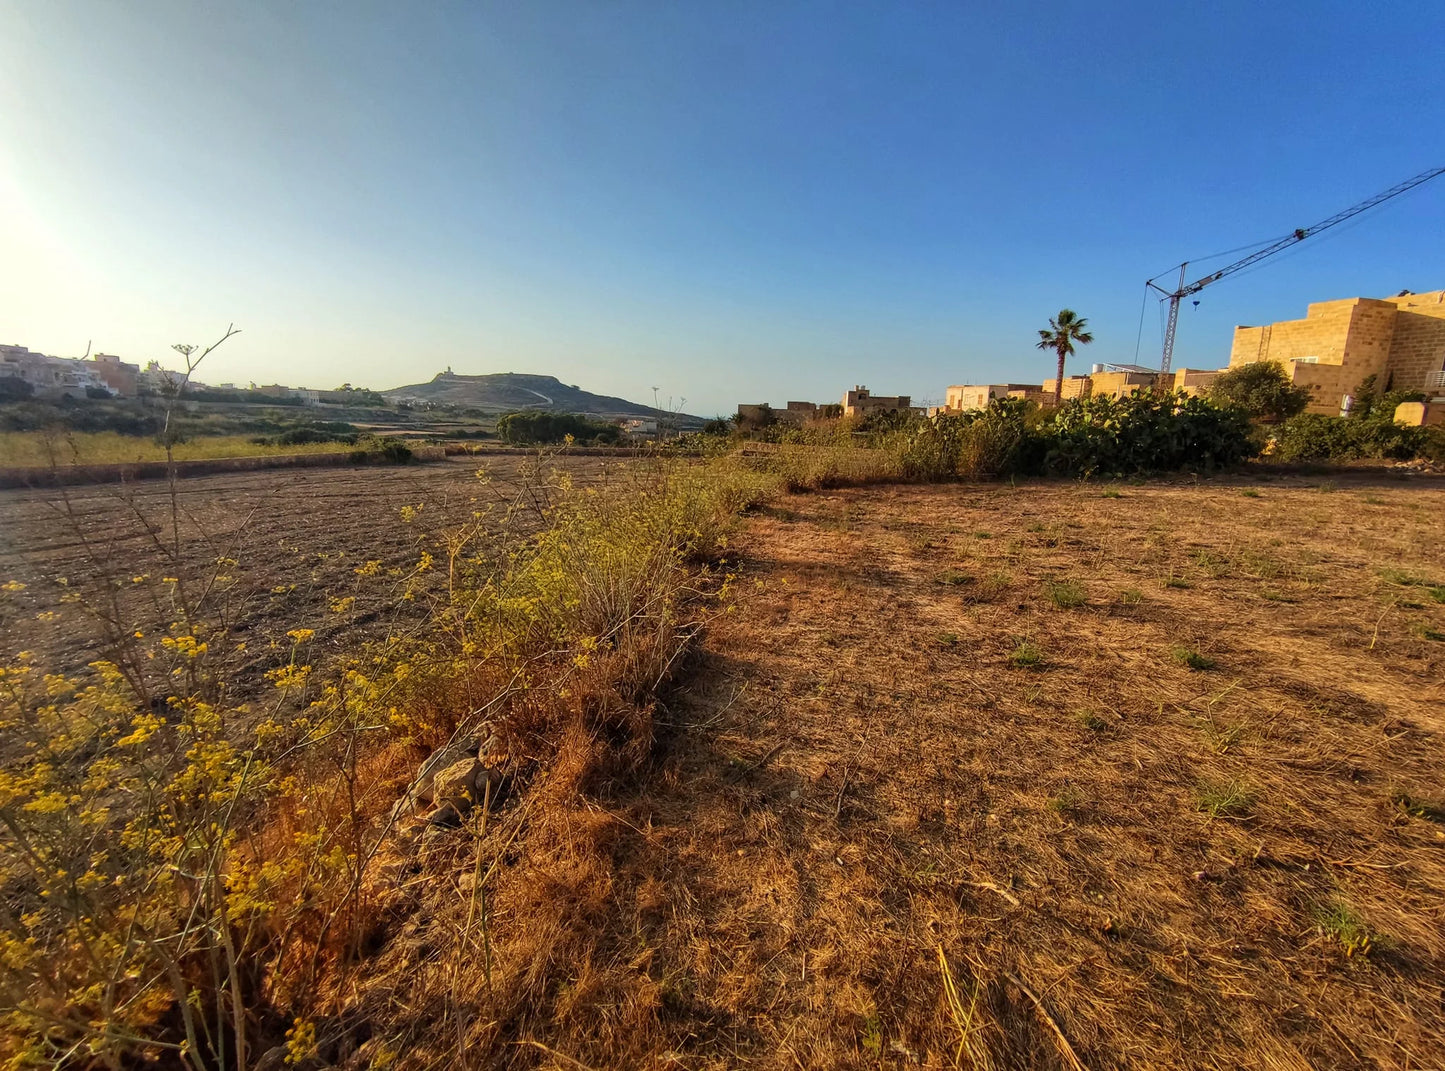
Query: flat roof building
[{"x": 1399, "y": 340}]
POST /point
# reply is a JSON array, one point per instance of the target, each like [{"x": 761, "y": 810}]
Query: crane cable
[{"x": 1139, "y": 339}]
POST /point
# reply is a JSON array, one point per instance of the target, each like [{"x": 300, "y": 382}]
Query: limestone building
[
  {"x": 965, "y": 396},
  {"x": 860, "y": 402},
  {"x": 1399, "y": 340}
]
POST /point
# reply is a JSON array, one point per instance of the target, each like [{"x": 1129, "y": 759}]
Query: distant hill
[{"x": 505, "y": 392}]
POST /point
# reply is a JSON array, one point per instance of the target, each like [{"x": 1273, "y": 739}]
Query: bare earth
[
  {"x": 865, "y": 780},
  {"x": 297, "y": 538}
]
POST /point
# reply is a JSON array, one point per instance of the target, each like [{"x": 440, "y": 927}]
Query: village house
[
  {"x": 1399, "y": 340},
  {"x": 51, "y": 377},
  {"x": 861, "y": 402}
]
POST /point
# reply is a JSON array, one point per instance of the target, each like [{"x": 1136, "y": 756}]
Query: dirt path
[{"x": 862, "y": 778}]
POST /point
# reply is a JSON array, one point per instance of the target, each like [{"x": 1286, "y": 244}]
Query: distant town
[{"x": 1331, "y": 352}]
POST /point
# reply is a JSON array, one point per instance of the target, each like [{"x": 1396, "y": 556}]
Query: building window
[{"x": 1305, "y": 360}]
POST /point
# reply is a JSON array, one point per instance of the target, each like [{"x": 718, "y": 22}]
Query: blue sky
[{"x": 729, "y": 201}]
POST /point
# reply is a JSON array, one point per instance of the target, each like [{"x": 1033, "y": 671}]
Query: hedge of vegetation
[
  {"x": 1146, "y": 432},
  {"x": 1314, "y": 437},
  {"x": 531, "y": 426}
]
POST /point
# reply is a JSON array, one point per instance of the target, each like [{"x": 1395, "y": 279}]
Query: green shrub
[
  {"x": 1026, "y": 656},
  {"x": 1225, "y": 799},
  {"x": 1316, "y": 437},
  {"x": 329, "y": 431},
  {"x": 1065, "y": 594},
  {"x": 1145, "y": 432},
  {"x": 1262, "y": 390},
  {"x": 1187, "y": 656},
  {"x": 534, "y": 426},
  {"x": 385, "y": 451}
]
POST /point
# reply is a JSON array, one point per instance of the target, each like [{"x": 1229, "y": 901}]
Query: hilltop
[{"x": 504, "y": 392}]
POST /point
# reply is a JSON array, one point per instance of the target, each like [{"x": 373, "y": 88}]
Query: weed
[
  {"x": 1425, "y": 632},
  {"x": 1215, "y": 566},
  {"x": 1222, "y": 737},
  {"x": 1070, "y": 801},
  {"x": 1340, "y": 923},
  {"x": 982, "y": 535},
  {"x": 1173, "y": 581},
  {"x": 1432, "y": 810},
  {"x": 948, "y": 639},
  {"x": 1091, "y": 721},
  {"x": 1187, "y": 656},
  {"x": 1111, "y": 492},
  {"x": 954, "y": 577},
  {"x": 1065, "y": 594},
  {"x": 871, "y": 1034},
  {"x": 1225, "y": 799},
  {"x": 1374, "y": 500},
  {"x": 1259, "y": 564},
  {"x": 1249, "y": 492},
  {"x": 1131, "y": 596},
  {"x": 1327, "y": 487},
  {"x": 1401, "y": 578},
  {"x": 1026, "y": 656}
]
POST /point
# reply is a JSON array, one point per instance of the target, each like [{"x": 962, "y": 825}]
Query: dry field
[
  {"x": 290, "y": 544},
  {"x": 948, "y": 791},
  {"x": 1047, "y": 776}
]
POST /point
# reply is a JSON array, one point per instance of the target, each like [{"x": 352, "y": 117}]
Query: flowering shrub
[{"x": 179, "y": 868}]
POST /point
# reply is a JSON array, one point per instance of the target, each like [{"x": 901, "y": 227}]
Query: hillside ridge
[{"x": 508, "y": 391}]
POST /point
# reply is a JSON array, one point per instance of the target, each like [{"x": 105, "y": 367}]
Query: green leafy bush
[
  {"x": 1315, "y": 437},
  {"x": 1263, "y": 390},
  {"x": 385, "y": 451},
  {"x": 532, "y": 426},
  {"x": 1145, "y": 432},
  {"x": 325, "y": 431}
]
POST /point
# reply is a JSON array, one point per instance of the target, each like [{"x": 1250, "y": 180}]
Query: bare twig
[
  {"x": 553, "y": 1052},
  {"x": 1068, "y": 1050},
  {"x": 998, "y": 890}
]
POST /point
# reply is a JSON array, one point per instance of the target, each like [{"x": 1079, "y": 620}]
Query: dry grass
[
  {"x": 904, "y": 805},
  {"x": 864, "y": 847},
  {"x": 30, "y": 449}
]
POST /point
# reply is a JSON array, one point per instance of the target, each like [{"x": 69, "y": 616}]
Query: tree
[
  {"x": 1064, "y": 330},
  {"x": 1262, "y": 389}
]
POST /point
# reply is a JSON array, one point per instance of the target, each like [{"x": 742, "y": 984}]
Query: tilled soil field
[{"x": 278, "y": 550}]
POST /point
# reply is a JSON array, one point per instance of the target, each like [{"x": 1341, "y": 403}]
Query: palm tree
[{"x": 1064, "y": 330}]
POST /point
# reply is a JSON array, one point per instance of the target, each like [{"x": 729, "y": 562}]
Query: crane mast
[{"x": 1183, "y": 290}]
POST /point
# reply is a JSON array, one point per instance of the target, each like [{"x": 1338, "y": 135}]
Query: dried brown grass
[
  {"x": 776, "y": 892},
  {"x": 834, "y": 842}
]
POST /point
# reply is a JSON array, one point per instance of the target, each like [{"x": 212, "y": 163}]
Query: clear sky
[{"x": 729, "y": 201}]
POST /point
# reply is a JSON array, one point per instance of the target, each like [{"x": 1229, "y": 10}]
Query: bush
[
  {"x": 1263, "y": 390},
  {"x": 13, "y": 388},
  {"x": 534, "y": 426},
  {"x": 1145, "y": 432},
  {"x": 1315, "y": 437},
  {"x": 386, "y": 451},
  {"x": 330, "y": 431}
]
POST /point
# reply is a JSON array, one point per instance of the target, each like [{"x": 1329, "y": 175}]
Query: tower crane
[{"x": 1184, "y": 290}]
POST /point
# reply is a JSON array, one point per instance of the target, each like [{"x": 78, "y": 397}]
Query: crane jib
[{"x": 1296, "y": 236}]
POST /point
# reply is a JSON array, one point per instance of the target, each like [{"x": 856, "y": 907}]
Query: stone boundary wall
[{"x": 70, "y": 475}]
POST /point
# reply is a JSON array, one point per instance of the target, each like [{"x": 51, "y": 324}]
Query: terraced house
[{"x": 1399, "y": 340}]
